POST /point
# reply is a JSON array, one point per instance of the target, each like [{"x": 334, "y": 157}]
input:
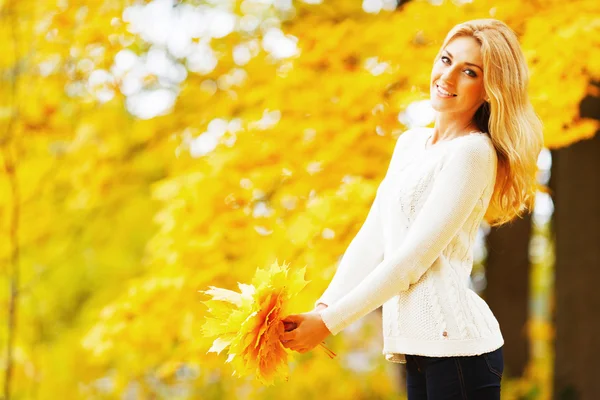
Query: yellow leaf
[{"x": 254, "y": 345}]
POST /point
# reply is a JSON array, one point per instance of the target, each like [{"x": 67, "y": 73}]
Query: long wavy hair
[{"x": 508, "y": 117}]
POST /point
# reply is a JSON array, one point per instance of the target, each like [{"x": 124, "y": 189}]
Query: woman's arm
[{"x": 456, "y": 190}]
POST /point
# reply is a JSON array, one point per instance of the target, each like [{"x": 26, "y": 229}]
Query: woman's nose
[
  {"x": 447, "y": 77},
  {"x": 448, "y": 74}
]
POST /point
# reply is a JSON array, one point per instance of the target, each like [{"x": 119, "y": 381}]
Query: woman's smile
[{"x": 443, "y": 93}]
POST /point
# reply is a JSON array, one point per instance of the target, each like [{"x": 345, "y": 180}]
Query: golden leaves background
[{"x": 110, "y": 223}]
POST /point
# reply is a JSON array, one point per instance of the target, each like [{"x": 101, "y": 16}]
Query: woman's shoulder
[
  {"x": 476, "y": 150},
  {"x": 480, "y": 143}
]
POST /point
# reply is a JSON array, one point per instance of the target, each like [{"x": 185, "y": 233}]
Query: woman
[{"x": 414, "y": 253}]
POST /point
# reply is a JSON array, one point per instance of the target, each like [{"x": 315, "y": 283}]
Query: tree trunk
[
  {"x": 507, "y": 292},
  {"x": 576, "y": 184}
]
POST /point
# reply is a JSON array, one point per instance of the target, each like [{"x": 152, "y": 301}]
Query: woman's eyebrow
[{"x": 468, "y": 63}]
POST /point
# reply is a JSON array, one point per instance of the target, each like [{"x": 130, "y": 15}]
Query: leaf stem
[{"x": 328, "y": 351}]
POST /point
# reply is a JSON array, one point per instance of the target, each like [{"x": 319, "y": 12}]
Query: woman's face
[{"x": 459, "y": 71}]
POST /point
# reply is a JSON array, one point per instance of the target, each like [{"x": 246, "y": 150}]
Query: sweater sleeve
[
  {"x": 365, "y": 251},
  {"x": 457, "y": 188}
]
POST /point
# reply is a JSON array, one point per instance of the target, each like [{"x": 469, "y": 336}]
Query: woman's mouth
[{"x": 443, "y": 93}]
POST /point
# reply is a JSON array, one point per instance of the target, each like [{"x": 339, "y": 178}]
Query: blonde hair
[{"x": 508, "y": 117}]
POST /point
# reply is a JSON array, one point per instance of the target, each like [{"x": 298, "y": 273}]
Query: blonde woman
[{"x": 414, "y": 253}]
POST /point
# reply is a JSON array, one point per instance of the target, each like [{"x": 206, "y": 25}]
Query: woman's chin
[{"x": 437, "y": 105}]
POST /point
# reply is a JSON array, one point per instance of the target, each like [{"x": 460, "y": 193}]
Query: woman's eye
[{"x": 471, "y": 72}]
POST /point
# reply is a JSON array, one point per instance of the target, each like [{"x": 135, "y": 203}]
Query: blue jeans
[{"x": 455, "y": 378}]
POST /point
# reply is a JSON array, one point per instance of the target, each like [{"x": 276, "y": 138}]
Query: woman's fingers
[
  {"x": 287, "y": 336},
  {"x": 294, "y": 346},
  {"x": 287, "y": 339},
  {"x": 291, "y": 345}
]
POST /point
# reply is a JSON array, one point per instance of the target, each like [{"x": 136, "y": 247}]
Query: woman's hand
[
  {"x": 308, "y": 331},
  {"x": 289, "y": 326}
]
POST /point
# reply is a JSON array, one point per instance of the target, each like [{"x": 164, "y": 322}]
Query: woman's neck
[{"x": 449, "y": 126}]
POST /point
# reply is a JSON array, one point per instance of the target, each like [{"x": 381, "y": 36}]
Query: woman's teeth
[{"x": 443, "y": 92}]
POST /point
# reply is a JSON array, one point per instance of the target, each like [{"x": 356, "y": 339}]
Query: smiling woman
[
  {"x": 453, "y": 74},
  {"x": 457, "y": 88},
  {"x": 479, "y": 83},
  {"x": 414, "y": 253}
]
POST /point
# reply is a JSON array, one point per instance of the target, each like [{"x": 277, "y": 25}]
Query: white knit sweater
[{"x": 414, "y": 252}]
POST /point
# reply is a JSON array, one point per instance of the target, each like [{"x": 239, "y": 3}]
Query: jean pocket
[{"x": 495, "y": 362}]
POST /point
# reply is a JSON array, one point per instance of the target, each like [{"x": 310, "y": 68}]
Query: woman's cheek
[{"x": 436, "y": 70}]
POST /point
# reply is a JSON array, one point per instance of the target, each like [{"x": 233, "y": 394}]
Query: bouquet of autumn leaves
[{"x": 249, "y": 323}]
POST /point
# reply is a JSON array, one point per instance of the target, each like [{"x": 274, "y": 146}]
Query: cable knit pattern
[{"x": 414, "y": 253}]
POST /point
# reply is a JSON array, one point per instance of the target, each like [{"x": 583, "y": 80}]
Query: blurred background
[{"x": 149, "y": 149}]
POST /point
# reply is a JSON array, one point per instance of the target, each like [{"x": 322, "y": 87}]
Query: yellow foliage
[{"x": 118, "y": 225}]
